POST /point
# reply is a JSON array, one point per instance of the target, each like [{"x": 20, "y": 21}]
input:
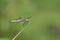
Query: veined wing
[{"x": 29, "y": 17}]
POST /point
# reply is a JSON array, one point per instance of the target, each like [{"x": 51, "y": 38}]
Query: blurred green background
[{"x": 43, "y": 12}]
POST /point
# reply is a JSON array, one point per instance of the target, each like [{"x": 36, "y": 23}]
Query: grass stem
[{"x": 19, "y": 33}]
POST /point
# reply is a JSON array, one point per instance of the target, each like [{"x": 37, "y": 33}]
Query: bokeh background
[{"x": 44, "y": 24}]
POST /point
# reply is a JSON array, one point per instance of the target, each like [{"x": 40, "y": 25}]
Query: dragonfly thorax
[{"x": 23, "y": 20}]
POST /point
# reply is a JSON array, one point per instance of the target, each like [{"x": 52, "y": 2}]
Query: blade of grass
[{"x": 19, "y": 33}]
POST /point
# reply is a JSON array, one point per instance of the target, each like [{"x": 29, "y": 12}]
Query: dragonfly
[{"x": 21, "y": 20}]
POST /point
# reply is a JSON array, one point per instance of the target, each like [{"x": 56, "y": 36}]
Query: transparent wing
[
  {"x": 19, "y": 18},
  {"x": 29, "y": 17}
]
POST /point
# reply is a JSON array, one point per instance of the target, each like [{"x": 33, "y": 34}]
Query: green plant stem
[{"x": 19, "y": 33}]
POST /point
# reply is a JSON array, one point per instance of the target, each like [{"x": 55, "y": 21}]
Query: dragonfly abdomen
[{"x": 15, "y": 20}]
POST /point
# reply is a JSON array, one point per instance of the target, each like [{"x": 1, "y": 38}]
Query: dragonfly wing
[
  {"x": 19, "y": 18},
  {"x": 29, "y": 17}
]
